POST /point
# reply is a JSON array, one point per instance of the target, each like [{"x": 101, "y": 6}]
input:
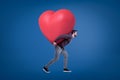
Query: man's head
[{"x": 74, "y": 33}]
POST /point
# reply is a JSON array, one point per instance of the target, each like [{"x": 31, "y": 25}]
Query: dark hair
[{"x": 73, "y": 31}]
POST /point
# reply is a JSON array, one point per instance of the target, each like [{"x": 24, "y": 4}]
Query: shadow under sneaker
[
  {"x": 66, "y": 70},
  {"x": 46, "y": 70}
]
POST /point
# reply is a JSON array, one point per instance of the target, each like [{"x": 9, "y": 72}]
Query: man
[{"x": 59, "y": 44}]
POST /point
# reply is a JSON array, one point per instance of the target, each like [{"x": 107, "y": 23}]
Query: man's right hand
[{"x": 54, "y": 43}]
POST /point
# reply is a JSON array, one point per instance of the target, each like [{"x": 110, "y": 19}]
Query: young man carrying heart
[{"x": 59, "y": 44}]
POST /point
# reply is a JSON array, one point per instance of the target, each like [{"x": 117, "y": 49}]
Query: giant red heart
[{"x": 54, "y": 24}]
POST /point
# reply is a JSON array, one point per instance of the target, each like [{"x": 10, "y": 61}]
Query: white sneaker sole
[
  {"x": 45, "y": 71},
  {"x": 67, "y": 71}
]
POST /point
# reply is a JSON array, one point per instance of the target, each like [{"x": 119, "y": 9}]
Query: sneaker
[
  {"x": 66, "y": 70},
  {"x": 46, "y": 70}
]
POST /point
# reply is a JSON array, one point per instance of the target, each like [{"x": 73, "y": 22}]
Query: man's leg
[
  {"x": 58, "y": 51},
  {"x": 65, "y": 54}
]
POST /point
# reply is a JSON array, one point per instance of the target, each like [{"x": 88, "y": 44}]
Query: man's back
[{"x": 63, "y": 40}]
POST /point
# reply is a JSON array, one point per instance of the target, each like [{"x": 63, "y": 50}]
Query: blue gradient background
[{"x": 93, "y": 55}]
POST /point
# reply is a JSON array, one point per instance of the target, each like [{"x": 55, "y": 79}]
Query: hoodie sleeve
[{"x": 65, "y": 36}]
